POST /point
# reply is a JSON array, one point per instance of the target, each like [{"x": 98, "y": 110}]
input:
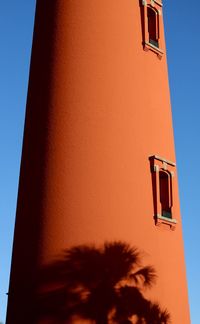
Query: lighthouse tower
[{"x": 98, "y": 162}]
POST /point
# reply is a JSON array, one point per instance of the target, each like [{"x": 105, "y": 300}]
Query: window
[
  {"x": 152, "y": 26},
  {"x": 165, "y": 193},
  {"x": 162, "y": 189},
  {"x": 152, "y": 32}
]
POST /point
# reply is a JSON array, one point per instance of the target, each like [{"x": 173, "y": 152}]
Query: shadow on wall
[{"x": 99, "y": 286}]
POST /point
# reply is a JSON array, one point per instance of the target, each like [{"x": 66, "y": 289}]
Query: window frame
[
  {"x": 156, "y": 6},
  {"x": 159, "y": 164}
]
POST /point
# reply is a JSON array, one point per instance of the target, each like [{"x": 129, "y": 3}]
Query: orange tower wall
[{"x": 98, "y": 107}]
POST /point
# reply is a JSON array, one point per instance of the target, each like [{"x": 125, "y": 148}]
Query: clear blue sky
[{"x": 182, "y": 28}]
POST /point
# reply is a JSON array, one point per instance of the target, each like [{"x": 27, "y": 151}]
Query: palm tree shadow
[{"x": 101, "y": 285}]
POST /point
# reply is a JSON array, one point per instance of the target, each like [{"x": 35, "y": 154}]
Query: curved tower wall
[{"x": 98, "y": 107}]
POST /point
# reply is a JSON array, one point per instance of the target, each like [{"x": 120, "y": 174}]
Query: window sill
[
  {"x": 161, "y": 220},
  {"x": 151, "y": 47}
]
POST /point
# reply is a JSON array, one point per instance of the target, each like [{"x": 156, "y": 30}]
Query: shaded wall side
[{"x": 26, "y": 245}]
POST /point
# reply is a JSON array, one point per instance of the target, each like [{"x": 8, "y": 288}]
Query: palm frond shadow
[{"x": 102, "y": 285}]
